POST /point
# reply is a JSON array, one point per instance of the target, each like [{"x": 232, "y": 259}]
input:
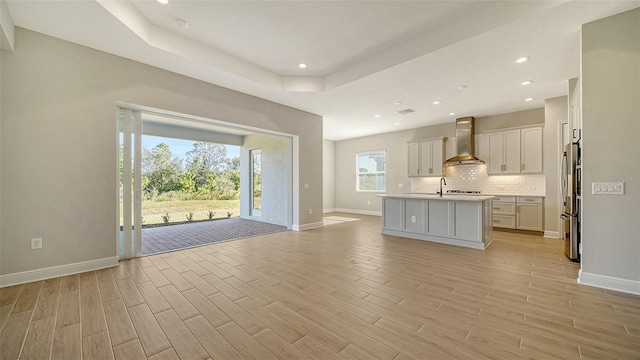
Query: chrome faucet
[{"x": 441, "y": 181}]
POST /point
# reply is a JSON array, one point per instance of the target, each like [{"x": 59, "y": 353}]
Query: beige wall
[
  {"x": 329, "y": 175},
  {"x": 275, "y": 184},
  {"x": 611, "y": 128},
  {"x": 555, "y": 113},
  {"x": 59, "y": 144},
  {"x": 395, "y": 144},
  {"x": 507, "y": 120}
]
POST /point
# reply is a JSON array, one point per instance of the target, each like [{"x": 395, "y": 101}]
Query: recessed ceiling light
[
  {"x": 436, "y": 102},
  {"x": 528, "y": 99},
  {"x": 376, "y": 115},
  {"x": 461, "y": 87},
  {"x": 526, "y": 82},
  {"x": 163, "y": 2},
  {"x": 396, "y": 124},
  {"x": 398, "y": 102},
  {"x": 451, "y": 113},
  {"x": 302, "y": 66},
  {"x": 522, "y": 59}
]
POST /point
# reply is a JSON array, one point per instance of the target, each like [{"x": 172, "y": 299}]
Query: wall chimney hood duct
[{"x": 465, "y": 143}]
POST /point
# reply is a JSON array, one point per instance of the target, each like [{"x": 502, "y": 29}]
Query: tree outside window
[{"x": 371, "y": 171}]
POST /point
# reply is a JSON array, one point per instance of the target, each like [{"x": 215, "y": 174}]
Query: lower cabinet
[
  {"x": 529, "y": 214},
  {"x": 393, "y": 210},
  {"x": 414, "y": 217},
  {"x": 521, "y": 212},
  {"x": 465, "y": 223}
]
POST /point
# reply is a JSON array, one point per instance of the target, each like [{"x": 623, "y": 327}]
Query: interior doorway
[{"x": 151, "y": 177}]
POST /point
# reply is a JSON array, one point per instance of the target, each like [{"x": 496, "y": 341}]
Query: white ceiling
[{"x": 362, "y": 56}]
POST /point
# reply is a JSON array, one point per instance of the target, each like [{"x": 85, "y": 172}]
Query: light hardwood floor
[{"x": 342, "y": 291}]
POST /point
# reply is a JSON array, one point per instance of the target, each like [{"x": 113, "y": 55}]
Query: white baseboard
[
  {"x": 609, "y": 282},
  {"x": 362, "y": 212},
  {"x": 552, "y": 234},
  {"x": 56, "y": 271},
  {"x": 308, "y": 226},
  {"x": 329, "y": 210}
]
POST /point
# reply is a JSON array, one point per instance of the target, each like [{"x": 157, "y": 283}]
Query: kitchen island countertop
[{"x": 446, "y": 197}]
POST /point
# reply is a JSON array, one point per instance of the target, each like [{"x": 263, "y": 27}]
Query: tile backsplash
[{"x": 474, "y": 177}]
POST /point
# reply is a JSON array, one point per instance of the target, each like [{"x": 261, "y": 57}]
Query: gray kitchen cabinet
[
  {"x": 426, "y": 157},
  {"x": 504, "y": 212},
  {"x": 521, "y": 212},
  {"x": 438, "y": 221},
  {"x": 504, "y": 152},
  {"x": 515, "y": 151},
  {"x": 414, "y": 216},
  {"x": 450, "y": 219},
  {"x": 393, "y": 214},
  {"x": 531, "y": 150},
  {"x": 529, "y": 213}
]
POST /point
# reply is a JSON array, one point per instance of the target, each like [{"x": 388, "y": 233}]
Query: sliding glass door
[
  {"x": 130, "y": 180},
  {"x": 256, "y": 182}
]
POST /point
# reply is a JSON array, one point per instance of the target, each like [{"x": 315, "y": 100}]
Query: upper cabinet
[
  {"x": 531, "y": 150},
  {"x": 426, "y": 157},
  {"x": 515, "y": 151}
]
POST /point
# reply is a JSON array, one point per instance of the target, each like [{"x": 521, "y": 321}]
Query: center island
[{"x": 463, "y": 220}]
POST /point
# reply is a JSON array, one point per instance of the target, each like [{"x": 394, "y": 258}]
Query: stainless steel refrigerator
[{"x": 571, "y": 197}]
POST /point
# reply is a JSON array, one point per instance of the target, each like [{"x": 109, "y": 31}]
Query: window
[{"x": 371, "y": 171}]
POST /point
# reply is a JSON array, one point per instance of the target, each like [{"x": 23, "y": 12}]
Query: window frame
[{"x": 358, "y": 173}]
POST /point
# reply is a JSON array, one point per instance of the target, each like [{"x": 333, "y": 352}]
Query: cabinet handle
[
  {"x": 521, "y": 166},
  {"x": 496, "y": 221}
]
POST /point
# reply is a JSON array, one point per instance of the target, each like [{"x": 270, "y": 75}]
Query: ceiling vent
[{"x": 406, "y": 111}]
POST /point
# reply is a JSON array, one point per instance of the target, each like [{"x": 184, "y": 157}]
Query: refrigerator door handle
[{"x": 564, "y": 172}]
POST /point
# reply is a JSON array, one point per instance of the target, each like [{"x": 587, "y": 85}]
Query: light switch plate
[{"x": 607, "y": 188}]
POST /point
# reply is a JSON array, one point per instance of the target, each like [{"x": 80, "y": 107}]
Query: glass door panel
[{"x": 256, "y": 182}]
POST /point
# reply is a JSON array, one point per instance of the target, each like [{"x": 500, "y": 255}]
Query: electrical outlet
[
  {"x": 306, "y": 186},
  {"x": 368, "y": 202},
  {"x": 310, "y": 211},
  {"x": 400, "y": 185},
  {"x": 36, "y": 243}
]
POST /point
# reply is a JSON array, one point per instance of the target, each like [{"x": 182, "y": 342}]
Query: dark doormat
[{"x": 168, "y": 238}]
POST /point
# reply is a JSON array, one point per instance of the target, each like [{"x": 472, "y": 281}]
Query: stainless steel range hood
[{"x": 465, "y": 143}]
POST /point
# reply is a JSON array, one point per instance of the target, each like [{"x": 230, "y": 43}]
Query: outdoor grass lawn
[{"x": 152, "y": 211}]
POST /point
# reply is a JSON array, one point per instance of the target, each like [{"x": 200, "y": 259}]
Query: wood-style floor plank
[
  {"x": 341, "y": 291},
  {"x": 39, "y": 339},
  {"x": 120, "y": 327},
  {"x": 151, "y": 336},
  {"x": 246, "y": 345},
  {"x": 13, "y": 333},
  {"x": 97, "y": 347},
  {"x": 213, "y": 342},
  {"x": 67, "y": 343},
  {"x": 131, "y": 350},
  {"x": 183, "y": 342}
]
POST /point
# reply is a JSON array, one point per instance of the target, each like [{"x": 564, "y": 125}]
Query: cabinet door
[
  {"x": 438, "y": 219},
  {"x": 496, "y": 155},
  {"x": 531, "y": 150},
  {"x": 468, "y": 220},
  {"x": 392, "y": 210},
  {"x": 511, "y": 151},
  {"x": 425, "y": 158},
  {"x": 437, "y": 158},
  {"x": 413, "y": 164},
  {"x": 529, "y": 217},
  {"x": 414, "y": 219}
]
